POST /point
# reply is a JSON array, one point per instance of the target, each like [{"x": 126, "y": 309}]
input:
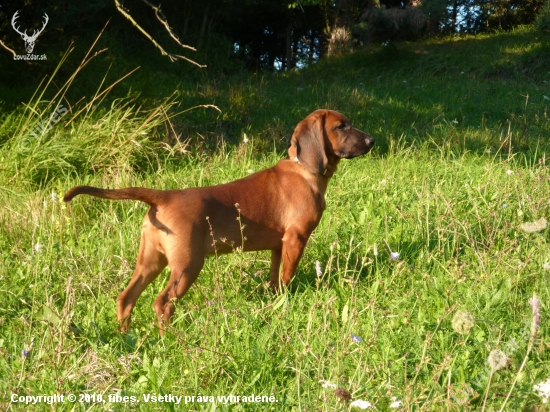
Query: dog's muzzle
[{"x": 369, "y": 140}]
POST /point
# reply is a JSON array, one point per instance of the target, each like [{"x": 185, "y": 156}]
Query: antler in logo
[{"x": 29, "y": 40}]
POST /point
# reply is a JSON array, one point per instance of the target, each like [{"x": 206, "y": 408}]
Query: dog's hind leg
[
  {"x": 150, "y": 262},
  {"x": 185, "y": 269}
]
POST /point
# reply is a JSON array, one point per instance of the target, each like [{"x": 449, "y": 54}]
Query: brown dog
[{"x": 278, "y": 209}]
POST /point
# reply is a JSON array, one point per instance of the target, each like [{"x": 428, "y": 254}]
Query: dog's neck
[
  {"x": 319, "y": 181},
  {"x": 332, "y": 165},
  {"x": 331, "y": 168}
]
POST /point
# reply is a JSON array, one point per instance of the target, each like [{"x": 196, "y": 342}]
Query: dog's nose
[{"x": 369, "y": 140}]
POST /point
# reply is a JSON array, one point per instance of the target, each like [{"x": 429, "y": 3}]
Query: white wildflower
[
  {"x": 250, "y": 171},
  {"x": 509, "y": 172},
  {"x": 54, "y": 197},
  {"x": 361, "y": 404},
  {"x": 454, "y": 121},
  {"x": 37, "y": 247},
  {"x": 245, "y": 139},
  {"x": 327, "y": 384},
  {"x": 497, "y": 360},
  {"x": 318, "y": 269},
  {"x": 546, "y": 266},
  {"x": 395, "y": 403},
  {"x": 543, "y": 390}
]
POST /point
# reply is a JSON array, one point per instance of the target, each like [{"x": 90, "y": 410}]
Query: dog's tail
[{"x": 150, "y": 196}]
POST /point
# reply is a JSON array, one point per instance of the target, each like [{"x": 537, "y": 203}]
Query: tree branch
[
  {"x": 160, "y": 16},
  {"x": 7, "y": 48},
  {"x": 172, "y": 57}
]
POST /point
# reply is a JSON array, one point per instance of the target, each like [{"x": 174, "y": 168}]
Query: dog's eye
[{"x": 342, "y": 126}]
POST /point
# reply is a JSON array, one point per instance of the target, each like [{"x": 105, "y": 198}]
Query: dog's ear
[{"x": 307, "y": 145}]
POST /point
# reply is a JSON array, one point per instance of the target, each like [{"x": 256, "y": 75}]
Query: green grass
[{"x": 449, "y": 197}]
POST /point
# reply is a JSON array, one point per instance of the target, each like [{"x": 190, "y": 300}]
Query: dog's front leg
[
  {"x": 275, "y": 269},
  {"x": 294, "y": 243}
]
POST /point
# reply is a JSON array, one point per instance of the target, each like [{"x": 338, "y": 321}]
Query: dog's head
[{"x": 323, "y": 138}]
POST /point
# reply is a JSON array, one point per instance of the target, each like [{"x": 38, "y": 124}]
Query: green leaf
[
  {"x": 282, "y": 300},
  {"x": 345, "y": 314},
  {"x": 50, "y": 316},
  {"x": 480, "y": 336}
]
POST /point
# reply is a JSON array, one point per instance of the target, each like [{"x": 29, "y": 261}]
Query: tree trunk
[
  {"x": 185, "y": 25},
  {"x": 288, "y": 54},
  {"x": 294, "y": 51},
  {"x": 311, "y": 46},
  {"x": 203, "y": 24}
]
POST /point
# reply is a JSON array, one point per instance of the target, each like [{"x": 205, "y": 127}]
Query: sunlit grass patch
[
  {"x": 376, "y": 324},
  {"x": 413, "y": 292}
]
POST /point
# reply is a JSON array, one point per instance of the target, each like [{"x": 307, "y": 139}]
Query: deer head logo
[{"x": 29, "y": 40}]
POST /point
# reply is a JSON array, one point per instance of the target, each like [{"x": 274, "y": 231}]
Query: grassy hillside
[
  {"x": 410, "y": 90},
  {"x": 454, "y": 186}
]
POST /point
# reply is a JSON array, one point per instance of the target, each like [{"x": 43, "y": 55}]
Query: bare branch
[
  {"x": 172, "y": 57},
  {"x": 162, "y": 19},
  {"x": 7, "y": 48}
]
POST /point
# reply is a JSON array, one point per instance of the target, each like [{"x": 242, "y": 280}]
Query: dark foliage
[{"x": 256, "y": 34}]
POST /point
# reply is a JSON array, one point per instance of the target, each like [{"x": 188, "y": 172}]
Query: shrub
[
  {"x": 543, "y": 19},
  {"x": 381, "y": 24}
]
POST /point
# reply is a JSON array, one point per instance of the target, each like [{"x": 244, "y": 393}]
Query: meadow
[{"x": 445, "y": 216}]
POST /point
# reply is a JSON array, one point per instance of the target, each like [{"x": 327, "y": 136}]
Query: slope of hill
[{"x": 425, "y": 285}]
